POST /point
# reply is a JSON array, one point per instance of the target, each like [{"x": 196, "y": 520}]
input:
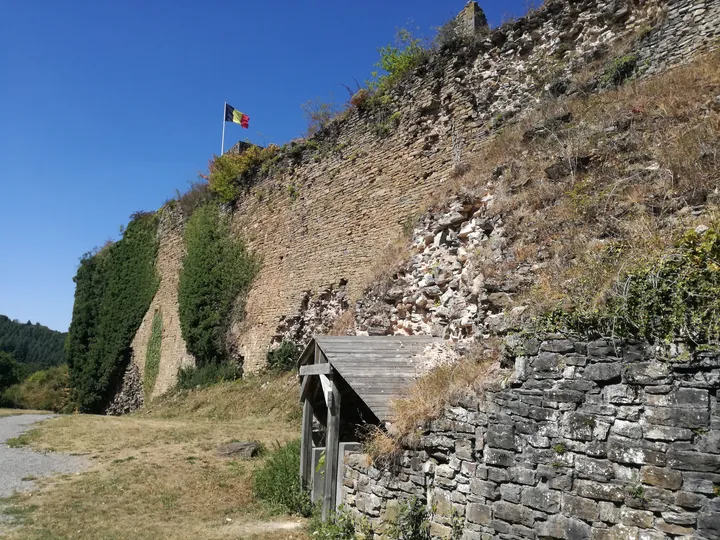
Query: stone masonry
[
  {"x": 601, "y": 440},
  {"x": 333, "y": 211},
  {"x": 336, "y": 204}
]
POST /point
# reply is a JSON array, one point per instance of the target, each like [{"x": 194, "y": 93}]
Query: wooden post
[
  {"x": 332, "y": 448},
  {"x": 306, "y": 443}
]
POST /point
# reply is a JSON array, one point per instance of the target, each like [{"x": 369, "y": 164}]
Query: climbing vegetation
[
  {"x": 216, "y": 274},
  {"x": 674, "y": 296},
  {"x": 152, "y": 357},
  {"x": 114, "y": 288}
]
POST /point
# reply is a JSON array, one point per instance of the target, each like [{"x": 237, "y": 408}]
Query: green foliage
[
  {"x": 114, "y": 288},
  {"x": 637, "y": 492},
  {"x": 284, "y": 357},
  {"x": 230, "y": 174},
  {"x": 559, "y": 448},
  {"x": 340, "y": 526},
  {"x": 277, "y": 482},
  {"x": 674, "y": 298},
  {"x": 413, "y": 521},
  {"x": 621, "y": 69},
  {"x": 217, "y": 270},
  {"x": 46, "y": 390},
  {"x": 207, "y": 375},
  {"x": 32, "y": 345},
  {"x": 8, "y": 371},
  {"x": 397, "y": 61},
  {"x": 152, "y": 357}
]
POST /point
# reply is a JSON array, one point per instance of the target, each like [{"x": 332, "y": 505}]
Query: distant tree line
[{"x": 32, "y": 346}]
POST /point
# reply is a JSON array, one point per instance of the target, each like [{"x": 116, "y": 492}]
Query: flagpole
[{"x": 222, "y": 147}]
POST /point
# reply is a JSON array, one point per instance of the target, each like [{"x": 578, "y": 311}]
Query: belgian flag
[{"x": 232, "y": 115}]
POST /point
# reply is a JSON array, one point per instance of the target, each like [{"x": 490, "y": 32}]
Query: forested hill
[{"x": 32, "y": 344}]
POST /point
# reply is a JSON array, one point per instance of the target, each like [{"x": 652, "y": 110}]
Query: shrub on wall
[
  {"x": 217, "y": 271},
  {"x": 152, "y": 357},
  {"x": 229, "y": 174},
  {"x": 114, "y": 288},
  {"x": 284, "y": 357}
]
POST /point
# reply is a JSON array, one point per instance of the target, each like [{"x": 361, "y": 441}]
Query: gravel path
[{"x": 19, "y": 463}]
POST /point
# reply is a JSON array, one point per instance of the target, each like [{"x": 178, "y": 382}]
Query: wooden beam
[
  {"x": 306, "y": 445},
  {"x": 332, "y": 449},
  {"x": 316, "y": 369}
]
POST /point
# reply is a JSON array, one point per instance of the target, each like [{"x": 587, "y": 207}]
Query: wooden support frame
[
  {"x": 332, "y": 450},
  {"x": 316, "y": 369},
  {"x": 306, "y": 444}
]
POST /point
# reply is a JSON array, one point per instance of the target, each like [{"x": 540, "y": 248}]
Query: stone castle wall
[
  {"x": 321, "y": 223},
  {"x": 326, "y": 221},
  {"x": 593, "y": 440}
]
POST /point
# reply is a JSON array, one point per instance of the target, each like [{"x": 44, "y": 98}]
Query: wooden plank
[
  {"x": 332, "y": 448},
  {"x": 315, "y": 369},
  {"x": 306, "y": 444}
]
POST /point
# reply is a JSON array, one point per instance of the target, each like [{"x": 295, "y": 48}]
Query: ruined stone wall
[
  {"x": 322, "y": 221},
  {"x": 173, "y": 352},
  {"x": 593, "y": 440},
  {"x": 327, "y": 219}
]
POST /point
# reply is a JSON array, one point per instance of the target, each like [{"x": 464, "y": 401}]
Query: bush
[
  {"x": 114, "y": 288},
  {"x": 413, "y": 521},
  {"x": 277, "y": 482},
  {"x": 284, "y": 357},
  {"x": 319, "y": 114},
  {"x": 217, "y": 270},
  {"x": 228, "y": 175},
  {"x": 152, "y": 357},
  {"x": 398, "y": 60},
  {"x": 46, "y": 390},
  {"x": 621, "y": 69},
  {"x": 207, "y": 375},
  {"x": 340, "y": 526}
]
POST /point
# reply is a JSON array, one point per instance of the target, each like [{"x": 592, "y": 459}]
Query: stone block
[
  {"x": 513, "y": 513},
  {"x": 647, "y": 373},
  {"x": 603, "y": 373},
  {"x": 541, "y": 498},
  {"x": 608, "y": 512},
  {"x": 632, "y": 430},
  {"x": 669, "y": 528},
  {"x": 594, "y": 469},
  {"x": 580, "y": 507},
  {"x": 708, "y": 524},
  {"x": 483, "y": 488},
  {"x": 664, "y": 478},
  {"x": 681, "y": 418},
  {"x": 693, "y": 461},
  {"x": 686, "y": 499},
  {"x": 631, "y": 517},
  {"x": 577, "y": 426},
  {"x": 600, "y": 491},
  {"x": 521, "y": 475},
  {"x": 510, "y": 493},
  {"x": 479, "y": 513},
  {"x": 665, "y": 433},
  {"x": 620, "y": 394},
  {"x": 499, "y": 458},
  {"x": 501, "y": 436},
  {"x": 558, "y": 346},
  {"x": 440, "y": 531}
]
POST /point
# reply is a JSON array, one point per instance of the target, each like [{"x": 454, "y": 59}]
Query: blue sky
[{"x": 108, "y": 107}]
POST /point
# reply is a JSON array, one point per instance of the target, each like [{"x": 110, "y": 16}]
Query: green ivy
[
  {"x": 284, "y": 357},
  {"x": 114, "y": 288},
  {"x": 152, "y": 357},
  {"x": 673, "y": 298},
  {"x": 217, "y": 271}
]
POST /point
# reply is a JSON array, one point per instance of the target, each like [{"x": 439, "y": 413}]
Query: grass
[
  {"x": 427, "y": 398},
  {"x": 155, "y": 474},
  {"x": 15, "y": 412}
]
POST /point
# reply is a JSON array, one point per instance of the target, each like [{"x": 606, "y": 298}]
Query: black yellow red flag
[{"x": 235, "y": 116}]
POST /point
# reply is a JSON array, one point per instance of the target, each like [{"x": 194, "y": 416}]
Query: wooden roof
[{"x": 377, "y": 369}]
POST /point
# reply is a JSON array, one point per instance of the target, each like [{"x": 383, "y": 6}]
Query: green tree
[{"x": 8, "y": 371}]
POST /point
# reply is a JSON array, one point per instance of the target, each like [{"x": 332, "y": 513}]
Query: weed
[
  {"x": 123, "y": 460},
  {"x": 637, "y": 492},
  {"x": 413, "y": 521},
  {"x": 716, "y": 490},
  {"x": 277, "y": 482},
  {"x": 559, "y": 448},
  {"x": 620, "y": 70}
]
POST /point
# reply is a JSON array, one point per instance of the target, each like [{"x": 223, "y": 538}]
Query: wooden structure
[{"x": 347, "y": 382}]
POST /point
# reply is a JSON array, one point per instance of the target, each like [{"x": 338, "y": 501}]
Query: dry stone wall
[
  {"x": 340, "y": 203},
  {"x": 601, "y": 440}
]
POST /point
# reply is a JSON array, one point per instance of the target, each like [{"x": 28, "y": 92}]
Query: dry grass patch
[
  {"x": 476, "y": 371},
  {"x": 15, "y": 412},
  {"x": 156, "y": 475}
]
